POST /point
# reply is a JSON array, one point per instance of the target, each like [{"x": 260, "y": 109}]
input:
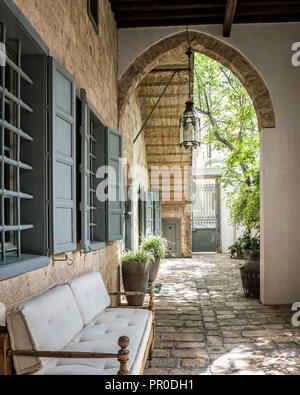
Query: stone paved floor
[{"x": 205, "y": 325}]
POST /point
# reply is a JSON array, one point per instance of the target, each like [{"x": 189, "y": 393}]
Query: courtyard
[
  {"x": 205, "y": 325},
  {"x": 172, "y": 123}
]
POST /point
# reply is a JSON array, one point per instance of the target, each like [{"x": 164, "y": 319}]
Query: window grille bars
[
  {"x": 2, "y": 197},
  {"x": 13, "y": 163},
  {"x": 14, "y": 99},
  {"x": 204, "y": 208}
]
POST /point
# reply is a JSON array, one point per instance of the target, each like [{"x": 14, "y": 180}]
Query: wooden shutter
[
  {"x": 142, "y": 217},
  {"x": 115, "y": 210},
  {"x": 63, "y": 91},
  {"x": 158, "y": 217},
  {"x": 149, "y": 212},
  {"x": 84, "y": 206},
  {"x": 93, "y": 212}
]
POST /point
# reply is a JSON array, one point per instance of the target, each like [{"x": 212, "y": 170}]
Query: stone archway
[{"x": 217, "y": 50}]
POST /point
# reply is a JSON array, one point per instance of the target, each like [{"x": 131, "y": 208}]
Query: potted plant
[
  {"x": 235, "y": 250},
  {"x": 245, "y": 242},
  {"x": 250, "y": 272},
  {"x": 135, "y": 273},
  {"x": 157, "y": 246}
]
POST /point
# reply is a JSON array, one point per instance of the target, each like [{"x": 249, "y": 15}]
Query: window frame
[
  {"x": 109, "y": 152},
  {"x": 86, "y": 244},
  {"x": 95, "y": 22},
  {"x": 112, "y": 211},
  {"x": 17, "y": 27},
  {"x": 157, "y": 215}
]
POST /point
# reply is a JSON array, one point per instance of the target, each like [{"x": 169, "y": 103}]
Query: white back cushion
[
  {"x": 46, "y": 323},
  {"x": 91, "y": 296}
]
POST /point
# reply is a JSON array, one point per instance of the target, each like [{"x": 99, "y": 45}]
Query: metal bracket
[{"x": 66, "y": 259}]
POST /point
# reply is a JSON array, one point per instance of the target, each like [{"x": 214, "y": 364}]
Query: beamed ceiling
[{"x": 147, "y": 13}]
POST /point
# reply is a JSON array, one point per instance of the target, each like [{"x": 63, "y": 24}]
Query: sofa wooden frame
[{"x": 6, "y": 354}]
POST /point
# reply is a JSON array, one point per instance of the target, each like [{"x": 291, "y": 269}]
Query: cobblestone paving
[{"x": 205, "y": 325}]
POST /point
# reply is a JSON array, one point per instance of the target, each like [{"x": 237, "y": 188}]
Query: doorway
[
  {"x": 206, "y": 215},
  {"x": 172, "y": 232}
]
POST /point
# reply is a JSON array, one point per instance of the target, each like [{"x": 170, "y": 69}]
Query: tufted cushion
[
  {"x": 91, "y": 296},
  {"x": 102, "y": 335},
  {"x": 48, "y": 322}
]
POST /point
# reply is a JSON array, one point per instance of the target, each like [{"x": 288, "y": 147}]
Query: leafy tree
[{"x": 230, "y": 126}]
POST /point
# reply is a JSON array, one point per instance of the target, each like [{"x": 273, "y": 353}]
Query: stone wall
[
  {"x": 137, "y": 175},
  {"x": 65, "y": 27}
]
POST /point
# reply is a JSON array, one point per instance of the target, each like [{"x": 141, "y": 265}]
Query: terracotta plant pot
[
  {"x": 154, "y": 269},
  {"x": 135, "y": 279},
  {"x": 250, "y": 274}
]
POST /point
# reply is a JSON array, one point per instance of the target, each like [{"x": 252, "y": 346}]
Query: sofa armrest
[
  {"x": 122, "y": 356},
  {"x": 60, "y": 354},
  {"x": 151, "y": 293}
]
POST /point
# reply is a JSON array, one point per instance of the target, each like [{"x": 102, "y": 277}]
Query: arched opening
[
  {"x": 217, "y": 50},
  {"x": 161, "y": 54}
]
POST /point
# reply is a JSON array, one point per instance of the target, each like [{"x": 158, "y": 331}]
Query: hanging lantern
[
  {"x": 190, "y": 127},
  {"x": 190, "y": 122}
]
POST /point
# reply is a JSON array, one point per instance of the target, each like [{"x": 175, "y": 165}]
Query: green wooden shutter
[
  {"x": 63, "y": 91},
  {"x": 93, "y": 212},
  {"x": 85, "y": 243},
  {"x": 158, "y": 217},
  {"x": 149, "y": 214},
  {"x": 142, "y": 207},
  {"x": 115, "y": 210}
]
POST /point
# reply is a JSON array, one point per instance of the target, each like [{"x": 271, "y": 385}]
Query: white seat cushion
[
  {"x": 48, "y": 322},
  {"x": 102, "y": 335},
  {"x": 91, "y": 296}
]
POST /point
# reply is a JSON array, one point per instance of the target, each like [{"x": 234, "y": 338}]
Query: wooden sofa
[{"x": 71, "y": 330}]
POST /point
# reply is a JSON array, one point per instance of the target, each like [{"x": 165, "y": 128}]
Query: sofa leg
[
  {"x": 5, "y": 360},
  {"x": 152, "y": 308},
  {"x": 151, "y": 351},
  {"x": 123, "y": 357}
]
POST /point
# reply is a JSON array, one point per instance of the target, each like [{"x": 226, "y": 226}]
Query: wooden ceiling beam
[
  {"x": 161, "y": 83},
  {"x": 150, "y": 5},
  {"x": 168, "y": 14},
  {"x": 171, "y": 22},
  {"x": 170, "y": 106},
  {"x": 229, "y": 17},
  {"x": 148, "y": 13},
  {"x": 170, "y": 164},
  {"x": 266, "y": 10},
  {"x": 170, "y": 95}
]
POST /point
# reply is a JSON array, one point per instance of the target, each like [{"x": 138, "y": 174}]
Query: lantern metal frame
[{"x": 190, "y": 122}]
